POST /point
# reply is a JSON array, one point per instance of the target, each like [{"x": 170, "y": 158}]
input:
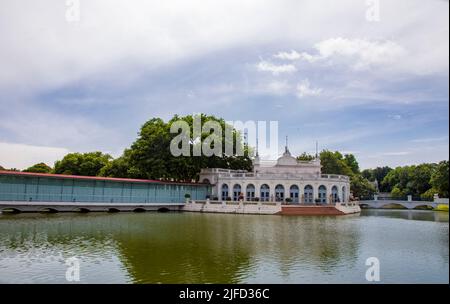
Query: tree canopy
[
  {"x": 150, "y": 156},
  {"x": 439, "y": 179},
  {"x": 378, "y": 175},
  {"x": 88, "y": 164},
  {"x": 422, "y": 180},
  {"x": 336, "y": 163},
  {"x": 39, "y": 168}
]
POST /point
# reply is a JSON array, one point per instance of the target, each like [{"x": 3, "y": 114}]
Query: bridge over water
[{"x": 408, "y": 204}]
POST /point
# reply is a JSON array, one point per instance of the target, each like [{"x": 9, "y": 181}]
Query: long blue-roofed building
[{"x": 25, "y": 190}]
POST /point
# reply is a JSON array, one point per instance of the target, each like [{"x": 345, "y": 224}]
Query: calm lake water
[{"x": 412, "y": 247}]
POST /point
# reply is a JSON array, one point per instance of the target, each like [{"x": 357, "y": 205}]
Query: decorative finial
[{"x": 317, "y": 149}]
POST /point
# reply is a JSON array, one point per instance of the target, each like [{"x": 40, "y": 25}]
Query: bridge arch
[
  {"x": 48, "y": 210},
  {"x": 398, "y": 205},
  {"x": 82, "y": 210},
  {"x": 10, "y": 210},
  {"x": 163, "y": 209},
  {"x": 113, "y": 210},
  {"x": 423, "y": 207}
]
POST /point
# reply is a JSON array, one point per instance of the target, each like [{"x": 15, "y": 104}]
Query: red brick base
[{"x": 310, "y": 210}]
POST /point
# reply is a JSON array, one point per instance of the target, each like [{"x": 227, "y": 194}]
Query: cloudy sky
[{"x": 366, "y": 77}]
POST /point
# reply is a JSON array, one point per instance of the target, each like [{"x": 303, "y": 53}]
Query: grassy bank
[{"x": 441, "y": 207}]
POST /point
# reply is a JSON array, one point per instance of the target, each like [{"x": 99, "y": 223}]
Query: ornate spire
[
  {"x": 286, "y": 149},
  {"x": 317, "y": 149}
]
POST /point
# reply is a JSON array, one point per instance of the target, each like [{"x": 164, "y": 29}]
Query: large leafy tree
[
  {"x": 350, "y": 161},
  {"x": 88, "y": 164},
  {"x": 150, "y": 155},
  {"x": 415, "y": 180},
  {"x": 439, "y": 179},
  {"x": 39, "y": 168},
  {"x": 360, "y": 186},
  {"x": 336, "y": 163},
  {"x": 378, "y": 175}
]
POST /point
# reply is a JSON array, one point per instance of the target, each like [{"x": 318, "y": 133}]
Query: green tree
[
  {"x": 429, "y": 194},
  {"x": 397, "y": 192},
  {"x": 368, "y": 174},
  {"x": 88, "y": 164},
  {"x": 439, "y": 179},
  {"x": 39, "y": 168},
  {"x": 409, "y": 180},
  {"x": 350, "y": 161},
  {"x": 333, "y": 163},
  {"x": 305, "y": 157},
  {"x": 150, "y": 156},
  {"x": 378, "y": 174},
  {"x": 1, "y": 168},
  {"x": 119, "y": 167},
  {"x": 360, "y": 186}
]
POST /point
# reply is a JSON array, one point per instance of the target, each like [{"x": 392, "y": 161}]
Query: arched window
[
  {"x": 334, "y": 194},
  {"x": 265, "y": 192},
  {"x": 236, "y": 192},
  {"x": 224, "y": 192},
  {"x": 250, "y": 192},
  {"x": 206, "y": 181},
  {"x": 279, "y": 193},
  {"x": 309, "y": 194},
  {"x": 293, "y": 193},
  {"x": 323, "y": 194}
]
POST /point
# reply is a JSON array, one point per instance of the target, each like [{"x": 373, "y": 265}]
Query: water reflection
[
  {"x": 223, "y": 248},
  {"x": 417, "y": 215}
]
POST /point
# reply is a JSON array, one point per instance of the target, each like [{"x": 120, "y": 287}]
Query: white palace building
[{"x": 289, "y": 180}]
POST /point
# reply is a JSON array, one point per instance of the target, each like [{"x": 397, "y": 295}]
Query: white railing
[{"x": 284, "y": 176}]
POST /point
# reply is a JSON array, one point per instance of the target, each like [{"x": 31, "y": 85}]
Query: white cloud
[
  {"x": 266, "y": 66},
  {"x": 23, "y": 156},
  {"x": 292, "y": 55},
  {"x": 304, "y": 89},
  {"x": 40, "y": 50},
  {"x": 360, "y": 53},
  {"x": 365, "y": 53}
]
